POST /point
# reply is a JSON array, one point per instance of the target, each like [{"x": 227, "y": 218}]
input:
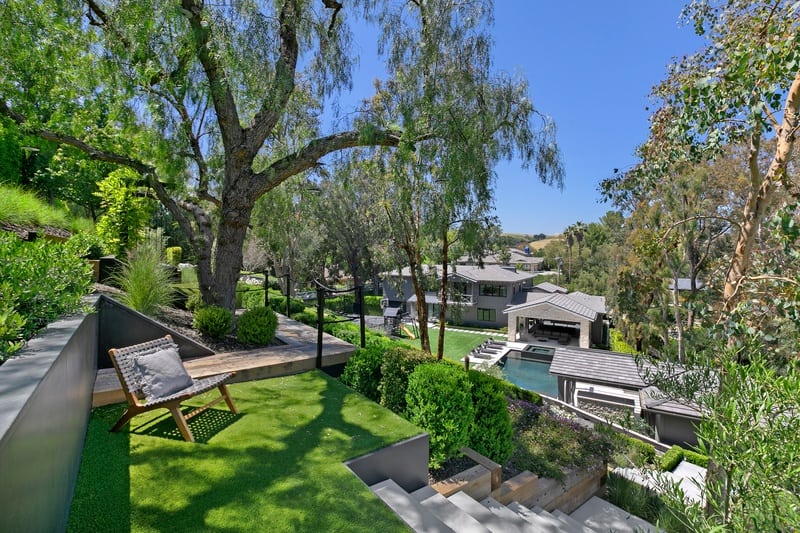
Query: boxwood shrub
[
  {"x": 363, "y": 371},
  {"x": 439, "y": 400},
  {"x": 257, "y": 326},
  {"x": 398, "y": 364},
  {"x": 213, "y": 321},
  {"x": 671, "y": 458},
  {"x": 490, "y": 433}
]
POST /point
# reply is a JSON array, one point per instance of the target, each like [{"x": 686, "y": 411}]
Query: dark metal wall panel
[
  {"x": 405, "y": 462},
  {"x": 122, "y": 326},
  {"x": 47, "y": 398}
]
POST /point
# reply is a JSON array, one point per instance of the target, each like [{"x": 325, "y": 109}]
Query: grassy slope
[
  {"x": 18, "y": 206},
  {"x": 456, "y": 343},
  {"x": 275, "y": 467}
]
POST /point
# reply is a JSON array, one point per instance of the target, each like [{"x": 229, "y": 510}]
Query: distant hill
[
  {"x": 535, "y": 241},
  {"x": 538, "y": 245}
]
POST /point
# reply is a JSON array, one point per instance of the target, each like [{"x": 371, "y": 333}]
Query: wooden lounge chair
[{"x": 153, "y": 377}]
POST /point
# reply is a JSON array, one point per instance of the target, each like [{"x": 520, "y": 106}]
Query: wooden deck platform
[{"x": 298, "y": 354}]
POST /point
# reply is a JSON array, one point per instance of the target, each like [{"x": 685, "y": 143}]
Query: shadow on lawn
[
  {"x": 282, "y": 475},
  {"x": 204, "y": 425}
]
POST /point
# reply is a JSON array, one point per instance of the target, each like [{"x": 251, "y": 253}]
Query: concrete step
[
  {"x": 508, "y": 515},
  {"x": 572, "y": 523},
  {"x": 408, "y": 509},
  {"x": 601, "y": 515},
  {"x": 425, "y": 492},
  {"x": 543, "y": 521},
  {"x": 491, "y": 521},
  {"x": 452, "y": 515}
]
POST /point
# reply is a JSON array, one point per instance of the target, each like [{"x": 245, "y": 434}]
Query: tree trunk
[
  {"x": 762, "y": 191},
  {"x": 677, "y": 316},
  {"x": 422, "y": 305},
  {"x": 443, "y": 293}
]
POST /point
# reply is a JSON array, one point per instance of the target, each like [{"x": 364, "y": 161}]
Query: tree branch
[
  {"x": 284, "y": 84},
  {"x": 309, "y": 156},
  {"x": 221, "y": 95}
]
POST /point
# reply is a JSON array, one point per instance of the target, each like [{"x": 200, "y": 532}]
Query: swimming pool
[{"x": 531, "y": 375}]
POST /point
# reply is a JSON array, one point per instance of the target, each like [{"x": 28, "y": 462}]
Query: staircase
[{"x": 425, "y": 510}]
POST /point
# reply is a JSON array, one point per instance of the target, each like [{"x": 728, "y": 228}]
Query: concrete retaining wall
[
  {"x": 405, "y": 462},
  {"x": 45, "y": 403}
]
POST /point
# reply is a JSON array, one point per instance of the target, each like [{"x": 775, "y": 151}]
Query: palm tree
[{"x": 569, "y": 234}]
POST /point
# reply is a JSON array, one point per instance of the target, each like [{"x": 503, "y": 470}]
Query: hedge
[
  {"x": 490, "y": 433},
  {"x": 363, "y": 372},
  {"x": 399, "y": 363}
]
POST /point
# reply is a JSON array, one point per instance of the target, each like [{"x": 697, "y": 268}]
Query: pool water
[{"x": 531, "y": 375}]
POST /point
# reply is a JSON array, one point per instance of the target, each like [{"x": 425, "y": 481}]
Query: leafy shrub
[
  {"x": 440, "y": 402},
  {"x": 87, "y": 245},
  {"x": 373, "y": 305},
  {"x": 696, "y": 458},
  {"x": 399, "y": 363},
  {"x": 145, "y": 283},
  {"x": 278, "y": 304},
  {"x": 194, "y": 301},
  {"x": 251, "y": 296},
  {"x": 363, "y": 372},
  {"x": 189, "y": 274},
  {"x": 645, "y": 452},
  {"x": 213, "y": 321},
  {"x": 671, "y": 458},
  {"x": 174, "y": 255},
  {"x": 546, "y": 444},
  {"x": 513, "y": 392},
  {"x": 619, "y": 344},
  {"x": 490, "y": 433},
  {"x": 257, "y": 326},
  {"x": 126, "y": 211},
  {"x": 307, "y": 316},
  {"x": 39, "y": 281}
]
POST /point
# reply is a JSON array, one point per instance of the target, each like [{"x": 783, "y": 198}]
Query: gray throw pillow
[{"x": 162, "y": 373}]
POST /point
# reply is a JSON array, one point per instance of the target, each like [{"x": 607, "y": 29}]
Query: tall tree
[
  {"x": 740, "y": 89},
  {"x": 443, "y": 89},
  {"x": 208, "y": 102}
]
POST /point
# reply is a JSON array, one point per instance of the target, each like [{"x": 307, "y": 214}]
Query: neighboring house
[
  {"x": 614, "y": 380},
  {"x": 519, "y": 259},
  {"x": 477, "y": 296},
  {"x": 548, "y": 312}
]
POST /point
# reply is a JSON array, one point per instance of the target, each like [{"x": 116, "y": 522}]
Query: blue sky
[{"x": 590, "y": 66}]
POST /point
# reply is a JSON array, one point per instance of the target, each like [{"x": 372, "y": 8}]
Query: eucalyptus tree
[
  {"x": 743, "y": 88},
  {"x": 213, "y": 104},
  {"x": 443, "y": 91}
]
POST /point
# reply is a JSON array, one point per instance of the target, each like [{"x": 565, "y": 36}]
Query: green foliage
[
  {"x": 642, "y": 502},
  {"x": 398, "y": 364},
  {"x": 490, "y": 433},
  {"x": 39, "y": 281},
  {"x": 547, "y": 444},
  {"x": 146, "y": 283},
  {"x": 695, "y": 458},
  {"x": 213, "y": 321},
  {"x": 18, "y": 206},
  {"x": 278, "y": 303},
  {"x": 363, "y": 371},
  {"x": 126, "y": 211},
  {"x": 189, "y": 274},
  {"x": 257, "y": 326},
  {"x": 174, "y": 255},
  {"x": 514, "y": 392},
  {"x": 644, "y": 453},
  {"x": 619, "y": 344},
  {"x": 439, "y": 401},
  {"x": 194, "y": 300},
  {"x": 307, "y": 316},
  {"x": 251, "y": 296},
  {"x": 671, "y": 459},
  {"x": 88, "y": 245}
]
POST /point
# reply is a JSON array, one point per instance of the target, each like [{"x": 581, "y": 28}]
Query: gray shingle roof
[
  {"x": 562, "y": 301},
  {"x": 598, "y": 303},
  {"x": 489, "y": 274},
  {"x": 550, "y": 287},
  {"x": 653, "y": 399},
  {"x": 597, "y": 366}
]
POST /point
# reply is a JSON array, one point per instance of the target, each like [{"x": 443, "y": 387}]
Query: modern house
[
  {"x": 614, "y": 380},
  {"x": 477, "y": 296},
  {"x": 549, "y": 312},
  {"x": 519, "y": 259}
]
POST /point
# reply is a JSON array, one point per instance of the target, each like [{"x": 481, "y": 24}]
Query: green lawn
[
  {"x": 456, "y": 343},
  {"x": 277, "y": 466}
]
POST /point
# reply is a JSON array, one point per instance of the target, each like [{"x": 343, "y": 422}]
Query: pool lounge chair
[{"x": 153, "y": 377}]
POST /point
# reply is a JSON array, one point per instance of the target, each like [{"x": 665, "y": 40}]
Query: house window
[
  {"x": 493, "y": 290},
  {"x": 486, "y": 315}
]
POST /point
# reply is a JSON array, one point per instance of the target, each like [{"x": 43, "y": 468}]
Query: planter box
[{"x": 475, "y": 481}]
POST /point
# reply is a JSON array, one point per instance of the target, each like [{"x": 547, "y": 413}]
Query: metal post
[
  {"x": 288, "y": 292},
  {"x": 320, "y": 319},
  {"x": 360, "y": 297},
  {"x": 266, "y": 288}
]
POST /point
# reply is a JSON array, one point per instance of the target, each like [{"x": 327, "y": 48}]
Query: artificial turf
[
  {"x": 276, "y": 466},
  {"x": 457, "y": 344}
]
